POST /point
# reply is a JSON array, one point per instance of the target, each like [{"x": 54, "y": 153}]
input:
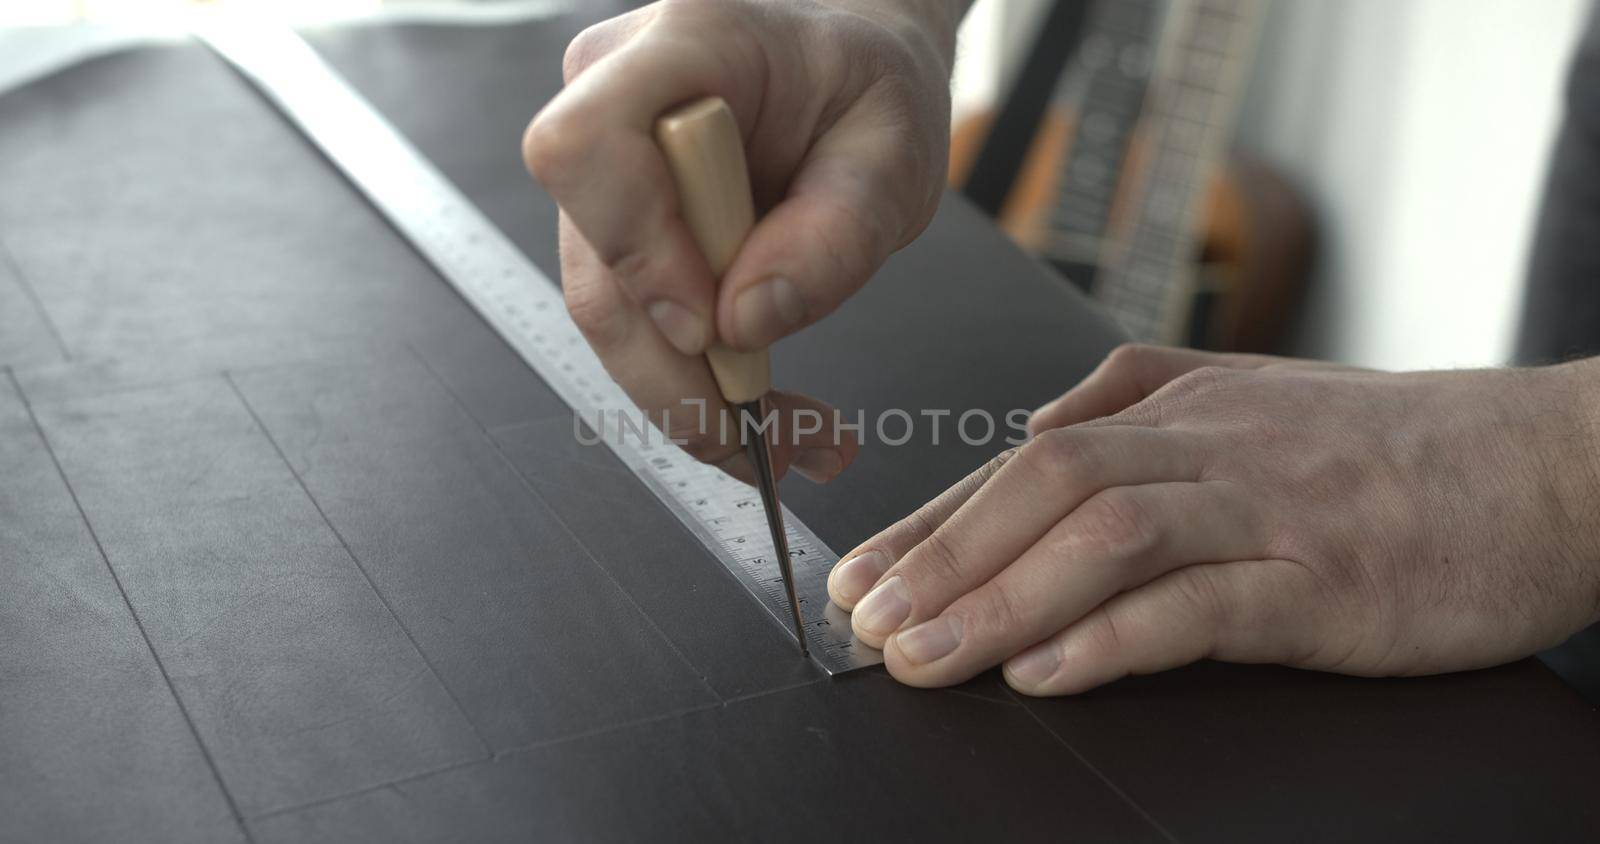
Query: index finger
[
  {"x": 861, "y": 569},
  {"x": 592, "y": 148},
  {"x": 1129, "y": 375}
]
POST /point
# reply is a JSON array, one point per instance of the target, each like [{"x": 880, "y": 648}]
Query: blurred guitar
[{"x": 1130, "y": 191}]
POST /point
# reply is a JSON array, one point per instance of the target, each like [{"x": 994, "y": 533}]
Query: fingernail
[
  {"x": 819, "y": 465},
  {"x": 685, "y": 331},
  {"x": 853, "y": 577},
  {"x": 885, "y": 608},
  {"x": 1031, "y": 668},
  {"x": 768, "y": 311},
  {"x": 930, "y": 640}
]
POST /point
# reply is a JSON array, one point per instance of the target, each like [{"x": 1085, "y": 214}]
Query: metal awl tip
[{"x": 755, "y": 442}]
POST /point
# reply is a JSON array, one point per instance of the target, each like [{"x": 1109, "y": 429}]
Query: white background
[{"x": 1419, "y": 129}]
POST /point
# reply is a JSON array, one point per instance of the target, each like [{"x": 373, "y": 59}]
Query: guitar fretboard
[
  {"x": 1110, "y": 73},
  {"x": 1188, "y": 121}
]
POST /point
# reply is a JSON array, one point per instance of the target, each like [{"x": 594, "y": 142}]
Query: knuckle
[
  {"x": 856, "y": 238},
  {"x": 1059, "y": 452},
  {"x": 1128, "y": 354},
  {"x": 935, "y": 559},
  {"x": 913, "y": 179},
  {"x": 1003, "y": 609},
  {"x": 999, "y": 461},
  {"x": 921, "y": 523},
  {"x": 730, "y": 19},
  {"x": 888, "y": 53},
  {"x": 554, "y": 142},
  {"x": 672, "y": 8},
  {"x": 598, "y": 310},
  {"x": 971, "y": 484},
  {"x": 1153, "y": 412},
  {"x": 1104, "y": 640},
  {"x": 584, "y": 50},
  {"x": 1204, "y": 379},
  {"x": 739, "y": 24},
  {"x": 1116, "y": 521},
  {"x": 1198, "y": 592},
  {"x": 629, "y": 264}
]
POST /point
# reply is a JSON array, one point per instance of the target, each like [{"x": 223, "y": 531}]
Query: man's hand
[
  {"x": 1178, "y": 505},
  {"x": 844, "y": 106}
]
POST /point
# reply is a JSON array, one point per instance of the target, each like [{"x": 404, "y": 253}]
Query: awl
[{"x": 705, "y": 153}]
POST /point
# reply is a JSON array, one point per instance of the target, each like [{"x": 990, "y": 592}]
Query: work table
[{"x": 295, "y": 549}]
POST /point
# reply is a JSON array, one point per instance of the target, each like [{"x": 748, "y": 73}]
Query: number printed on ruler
[{"x": 525, "y": 308}]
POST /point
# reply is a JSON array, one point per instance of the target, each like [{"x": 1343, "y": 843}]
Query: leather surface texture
[{"x": 293, "y": 548}]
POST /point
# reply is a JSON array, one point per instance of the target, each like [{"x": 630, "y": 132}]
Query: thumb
[{"x": 862, "y": 192}]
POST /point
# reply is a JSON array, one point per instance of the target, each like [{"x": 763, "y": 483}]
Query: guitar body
[{"x": 1255, "y": 235}]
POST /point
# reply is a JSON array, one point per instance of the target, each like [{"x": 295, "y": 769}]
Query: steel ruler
[{"x": 525, "y": 307}]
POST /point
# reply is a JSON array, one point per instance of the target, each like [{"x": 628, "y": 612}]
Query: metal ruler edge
[{"x": 524, "y": 306}]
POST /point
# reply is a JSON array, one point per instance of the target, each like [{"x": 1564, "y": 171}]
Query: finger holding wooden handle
[{"x": 705, "y": 152}]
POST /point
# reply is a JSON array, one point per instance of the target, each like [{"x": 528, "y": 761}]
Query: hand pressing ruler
[{"x": 525, "y": 307}]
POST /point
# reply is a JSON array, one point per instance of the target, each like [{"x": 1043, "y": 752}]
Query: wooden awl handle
[{"x": 705, "y": 152}]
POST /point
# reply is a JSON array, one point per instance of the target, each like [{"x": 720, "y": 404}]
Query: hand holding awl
[{"x": 705, "y": 152}]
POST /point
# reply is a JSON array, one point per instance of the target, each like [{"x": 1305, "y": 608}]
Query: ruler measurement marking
[{"x": 524, "y": 307}]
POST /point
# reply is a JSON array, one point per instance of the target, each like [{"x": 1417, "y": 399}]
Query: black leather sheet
[{"x": 294, "y": 548}]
